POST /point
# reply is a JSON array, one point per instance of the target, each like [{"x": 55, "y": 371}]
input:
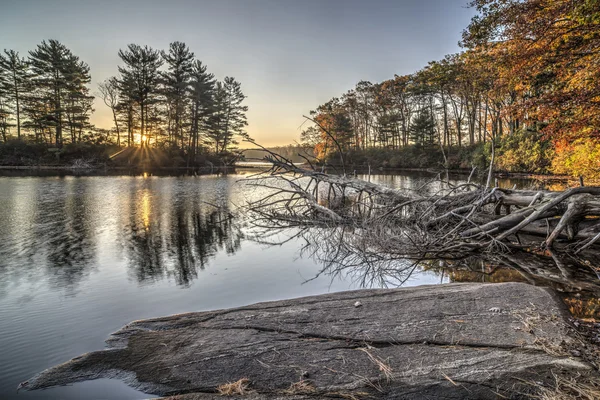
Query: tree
[
  {"x": 229, "y": 117},
  {"x": 140, "y": 79},
  {"x": 550, "y": 48},
  {"x": 60, "y": 80},
  {"x": 201, "y": 95},
  {"x": 126, "y": 107},
  {"x": 78, "y": 101},
  {"x": 4, "y": 111},
  {"x": 335, "y": 128},
  {"x": 179, "y": 61},
  {"x": 14, "y": 70},
  {"x": 109, "y": 91},
  {"x": 422, "y": 127}
]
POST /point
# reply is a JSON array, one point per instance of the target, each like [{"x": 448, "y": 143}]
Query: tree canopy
[{"x": 529, "y": 69}]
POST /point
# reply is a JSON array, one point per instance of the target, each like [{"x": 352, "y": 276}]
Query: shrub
[{"x": 524, "y": 151}]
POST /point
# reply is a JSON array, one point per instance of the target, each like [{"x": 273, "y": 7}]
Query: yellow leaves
[{"x": 581, "y": 158}]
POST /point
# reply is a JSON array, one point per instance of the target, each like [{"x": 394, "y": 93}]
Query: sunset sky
[{"x": 290, "y": 56}]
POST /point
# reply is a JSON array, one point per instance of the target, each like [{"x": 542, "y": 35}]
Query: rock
[
  {"x": 425, "y": 342},
  {"x": 358, "y": 304}
]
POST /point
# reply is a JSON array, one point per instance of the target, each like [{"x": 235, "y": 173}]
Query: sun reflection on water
[{"x": 145, "y": 207}]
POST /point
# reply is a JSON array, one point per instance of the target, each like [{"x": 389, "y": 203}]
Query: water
[{"x": 82, "y": 256}]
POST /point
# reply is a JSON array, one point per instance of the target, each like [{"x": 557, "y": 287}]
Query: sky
[{"x": 289, "y": 55}]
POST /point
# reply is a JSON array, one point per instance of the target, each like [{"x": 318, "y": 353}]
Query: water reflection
[
  {"x": 54, "y": 229},
  {"x": 82, "y": 256},
  {"x": 180, "y": 244},
  {"x": 346, "y": 252},
  {"x": 178, "y": 240},
  {"x": 52, "y": 234}
]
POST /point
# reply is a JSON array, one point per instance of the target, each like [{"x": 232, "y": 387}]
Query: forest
[
  {"x": 525, "y": 87},
  {"x": 160, "y": 99}
]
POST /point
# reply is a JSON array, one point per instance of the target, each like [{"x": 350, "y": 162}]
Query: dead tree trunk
[{"x": 429, "y": 221}]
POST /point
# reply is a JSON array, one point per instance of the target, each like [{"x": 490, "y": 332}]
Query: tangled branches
[{"x": 436, "y": 220}]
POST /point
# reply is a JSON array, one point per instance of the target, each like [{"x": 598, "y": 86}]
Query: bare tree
[{"x": 109, "y": 91}]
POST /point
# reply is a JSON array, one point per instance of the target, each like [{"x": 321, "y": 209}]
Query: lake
[{"x": 81, "y": 256}]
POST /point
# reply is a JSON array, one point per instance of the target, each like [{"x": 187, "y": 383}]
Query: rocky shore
[{"x": 455, "y": 341}]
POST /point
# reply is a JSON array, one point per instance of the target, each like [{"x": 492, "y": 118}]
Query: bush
[
  {"x": 17, "y": 152},
  {"x": 524, "y": 151},
  {"x": 84, "y": 151}
]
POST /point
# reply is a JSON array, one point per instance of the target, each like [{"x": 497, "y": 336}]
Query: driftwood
[{"x": 436, "y": 220}]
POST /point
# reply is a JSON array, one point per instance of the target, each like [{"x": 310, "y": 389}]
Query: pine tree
[
  {"x": 140, "y": 80},
  {"x": 60, "y": 81},
  {"x": 4, "y": 111},
  {"x": 126, "y": 107},
  {"x": 229, "y": 118},
  {"x": 78, "y": 102},
  {"x": 422, "y": 127},
  {"x": 14, "y": 70},
  {"x": 176, "y": 79},
  {"x": 201, "y": 93}
]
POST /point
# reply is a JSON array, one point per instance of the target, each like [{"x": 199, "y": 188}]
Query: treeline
[
  {"x": 158, "y": 98},
  {"x": 527, "y": 84},
  {"x": 296, "y": 153}
]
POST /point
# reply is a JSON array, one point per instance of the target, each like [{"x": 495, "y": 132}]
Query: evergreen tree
[
  {"x": 127, "y": 105},
  {"x": 60, "y": 81},
  {"x": 229, "y": 118},
  {"x": 78, "y": 102},
  {"x": 422, "y": 127},
  {"x": 4, "y": 111},
  {"x": 14, "y": 70},
  {"x": 201, "y": 94},
  {"x": 179, "y": 61},
  {"x": 140, "y": 80}
]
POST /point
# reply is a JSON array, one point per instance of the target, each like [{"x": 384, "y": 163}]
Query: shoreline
[{"x": 209, "y": 169}]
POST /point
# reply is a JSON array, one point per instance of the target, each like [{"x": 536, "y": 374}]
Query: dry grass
[
  {"x": 550, "y": 348},
  {"x": 300, "y": 387},
  {"x": 568, "y": 389},
  {"x": 381, "y": 364},
  {"x": 240, "y": 387}
]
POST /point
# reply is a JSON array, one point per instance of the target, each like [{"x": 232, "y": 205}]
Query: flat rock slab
[{"x": 452, "y": 341}]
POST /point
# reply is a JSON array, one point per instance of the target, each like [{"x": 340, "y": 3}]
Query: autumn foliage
[{"x": 528, "y": 81}]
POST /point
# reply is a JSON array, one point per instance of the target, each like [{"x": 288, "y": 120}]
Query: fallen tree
[{"x": 437, "y": 220}]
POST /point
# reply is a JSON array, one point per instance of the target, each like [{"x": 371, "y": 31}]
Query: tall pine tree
[
  {"x": 229, "y": 119},
  {"x": 14, "y": 70},
  {"x": 179, "y": 62},
  {"x": 60, "y": 81},
  {"x": 140, "y": 80},
  {"x": 201, "y": 93}
]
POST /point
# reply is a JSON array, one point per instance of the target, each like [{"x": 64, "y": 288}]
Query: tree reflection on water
[
  {"x": 61, "y": 230},
  {"x": 179, "y": 242},
  {"x": 345, "y": 252}
]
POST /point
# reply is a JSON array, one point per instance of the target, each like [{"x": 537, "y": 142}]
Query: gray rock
[{"x": 414, "y": 343}]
